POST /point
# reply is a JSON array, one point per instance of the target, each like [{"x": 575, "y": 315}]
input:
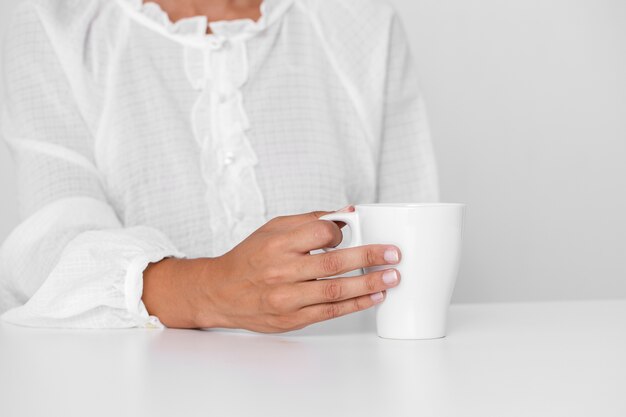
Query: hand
[{"x": 269, "y": 282}]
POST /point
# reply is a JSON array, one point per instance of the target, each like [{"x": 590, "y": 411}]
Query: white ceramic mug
[{"x": 429, "y": 237}]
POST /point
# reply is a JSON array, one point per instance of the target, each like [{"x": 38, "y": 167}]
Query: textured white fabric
[{"x": 137, "y": 138}]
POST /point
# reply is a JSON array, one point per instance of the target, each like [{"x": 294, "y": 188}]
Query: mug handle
[{"x": 352, "y": 220}]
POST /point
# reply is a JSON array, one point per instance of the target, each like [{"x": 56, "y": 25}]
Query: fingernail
[
  {"x": 346, "y": 209},
  {"x": 391, "y": 256},
  {"x": 377, "y": 297},
  {"x": 390, "y": 277}
]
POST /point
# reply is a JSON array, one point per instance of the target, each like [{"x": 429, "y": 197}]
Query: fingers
[
  {"x": 341, "y": 261},
  {"x": 288, "y": 222},
  {"x": 313, "y": 235},
  {"x": 327, "y": 311},
  {"x": 285, "y": 222},
  {"x": 339, "y": 289},
  {"x": 288, "y": 298}
]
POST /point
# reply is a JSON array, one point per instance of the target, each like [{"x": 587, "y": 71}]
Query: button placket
[{"x": 228, "y": 159}]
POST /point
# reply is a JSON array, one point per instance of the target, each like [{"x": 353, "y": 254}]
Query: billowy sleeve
[
  {"x": 407, "y": 167},
  {"x": 71, "y": 262}
]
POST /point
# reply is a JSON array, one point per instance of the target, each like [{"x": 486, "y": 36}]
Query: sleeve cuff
[
  {"x": 98, "y": 282},
  {"x": 133, "y": 287}
]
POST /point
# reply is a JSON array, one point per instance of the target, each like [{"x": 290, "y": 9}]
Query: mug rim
[{"x": 410, "y": 205}]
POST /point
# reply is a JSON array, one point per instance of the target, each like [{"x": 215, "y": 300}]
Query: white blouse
[{"x": 137, "y": 139}]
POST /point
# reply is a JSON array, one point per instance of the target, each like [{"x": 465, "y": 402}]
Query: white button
[
  {"x": 229, "y": 158},
  {"x": 216, "y": 42}
]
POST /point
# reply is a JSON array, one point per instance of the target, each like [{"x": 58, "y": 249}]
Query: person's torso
[{"x": 208, "y": 140}]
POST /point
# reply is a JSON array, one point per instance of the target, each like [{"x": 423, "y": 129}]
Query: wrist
[
  {"x": 174, "y": 291},
  {"x": 205, "y": 299}
]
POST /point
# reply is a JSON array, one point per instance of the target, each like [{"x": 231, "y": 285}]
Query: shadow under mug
[{"x": 429, "y": 236}]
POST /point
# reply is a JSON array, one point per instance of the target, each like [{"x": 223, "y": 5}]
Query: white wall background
[{"x": 527, "y": 101}]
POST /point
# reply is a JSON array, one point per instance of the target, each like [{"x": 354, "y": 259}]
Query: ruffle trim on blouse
[
  {"x": 218, "y": 70},
  {"x": 228, "y": 159},
  {"x": 195, "y": 26}
]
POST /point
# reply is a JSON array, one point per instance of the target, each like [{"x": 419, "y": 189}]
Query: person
[{"x": 174, "y": 158}]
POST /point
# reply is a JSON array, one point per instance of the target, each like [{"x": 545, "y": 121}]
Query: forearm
[{"x": 173, "y": 290}]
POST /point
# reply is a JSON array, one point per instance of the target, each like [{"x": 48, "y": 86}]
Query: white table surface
[{"x": 526, "y": 359}]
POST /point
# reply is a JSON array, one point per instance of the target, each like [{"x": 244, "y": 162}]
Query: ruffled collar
[{"x": 194, "y": 28}]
